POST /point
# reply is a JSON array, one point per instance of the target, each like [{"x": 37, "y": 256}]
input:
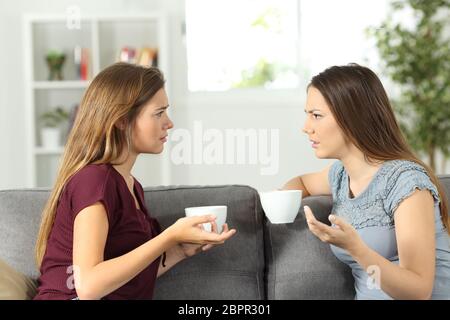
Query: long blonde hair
[
  {"x": 117, "y": 94},
  {"x": 362, "y": 110}
]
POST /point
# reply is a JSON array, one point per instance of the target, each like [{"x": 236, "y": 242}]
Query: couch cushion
[
  {"x": 300, "y": 266},
  {"x": 233, "y": 270}
]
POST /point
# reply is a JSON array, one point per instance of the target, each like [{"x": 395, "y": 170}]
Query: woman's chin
[
  {"x": 154, "y": 150},
  {"x": 320, "y": 155},
  {"x": 325, "y": 156},
  {"x": 159, "y": 150}
]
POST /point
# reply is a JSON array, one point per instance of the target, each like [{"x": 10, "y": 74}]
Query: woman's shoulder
[
  {"x": 336, "y": 172},
  {"x": 91, "y": 176},
  {"x": 336, "y": 179},
  {"x": 394, "y": 171},
  {"x": 90, "y": 184},
  {"x": 403, "y": 165},
  {"x": 401, "y": 178}
]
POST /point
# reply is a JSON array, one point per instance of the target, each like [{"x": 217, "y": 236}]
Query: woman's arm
[
  {"x": 95, "y": 278},
  {"x": 311, "y": 184},
  {"x": 413, "y": 278}
]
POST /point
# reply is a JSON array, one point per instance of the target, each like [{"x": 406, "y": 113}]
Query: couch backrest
[
  {"x": 300, "y": 266},
  {"x": 261, "y": 261},
  {"x": 445, "y": 180},
  {"x": 20, "y": 215},
  {"x": 233, "y": 270}
]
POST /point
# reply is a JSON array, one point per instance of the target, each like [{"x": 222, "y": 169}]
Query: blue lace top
[{"x": 372, "y": 214}]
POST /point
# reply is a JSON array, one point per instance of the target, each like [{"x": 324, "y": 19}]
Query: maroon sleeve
[{"x": 90, "y": 185}]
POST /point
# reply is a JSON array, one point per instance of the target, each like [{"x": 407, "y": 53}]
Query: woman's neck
[
  {"x": 358, "y": 169},
  {"x": 125, "y": 165}
]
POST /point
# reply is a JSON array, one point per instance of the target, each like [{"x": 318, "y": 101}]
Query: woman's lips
[
  {"x": 164, "y": 139},
  {"x": 314, "y": 144}
]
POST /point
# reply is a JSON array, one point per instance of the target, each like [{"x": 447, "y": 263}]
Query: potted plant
[
  {"x": 417, "y": 58},
  {"x": 51, "y": 127},
  {"x": 55, "y": 61}
]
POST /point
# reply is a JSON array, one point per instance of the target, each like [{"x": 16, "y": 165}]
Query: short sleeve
[
  {"x": 404, "y": 182},
  {"x": 90, "y": 185},
  {"x": 335, "y": 176}
]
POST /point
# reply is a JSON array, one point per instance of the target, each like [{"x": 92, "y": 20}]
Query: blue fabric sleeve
[{"x": 402, "y": 185}]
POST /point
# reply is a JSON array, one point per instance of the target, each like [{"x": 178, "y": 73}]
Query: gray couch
[{"x": 262, "y": 261}]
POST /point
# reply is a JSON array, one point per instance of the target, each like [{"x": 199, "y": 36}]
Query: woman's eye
[
  {"x": 159, "y": 114},
  {"x": 316, "y": 116}
]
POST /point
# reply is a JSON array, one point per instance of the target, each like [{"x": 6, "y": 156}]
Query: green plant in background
[
  {"x": 257, "y": 76},
  {"x": 269, "y": 20},
  {"x": 418, "y": 58},
  {"x": 263, "y": 72},
  {"x": 54, "y": 118}
]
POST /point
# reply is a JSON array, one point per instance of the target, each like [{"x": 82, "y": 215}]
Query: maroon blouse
[{"x": 129, "y": 228}]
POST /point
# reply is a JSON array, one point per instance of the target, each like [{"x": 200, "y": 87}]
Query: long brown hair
[
  {"x": 116, "y": 95},
  {"x": 362, "y": 110}
]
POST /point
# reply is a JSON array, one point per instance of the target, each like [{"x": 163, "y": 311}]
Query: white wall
[
  {"x": 283, "y": 112},
  {"x": 295, "y": 153},
  {"x": 12, "y": 105},
  {"x": 238, "y": 110},
  {"x": 239, "y": 115}
]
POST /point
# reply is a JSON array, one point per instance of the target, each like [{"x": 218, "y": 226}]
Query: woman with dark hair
[
  {"x": 97, "y": 240},
  {"x": 390, "y": 223}
]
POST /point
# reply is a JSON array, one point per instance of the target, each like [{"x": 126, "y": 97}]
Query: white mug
[
  {"x": 281, "y": 206},
  {"x": 219, "y": 211}
]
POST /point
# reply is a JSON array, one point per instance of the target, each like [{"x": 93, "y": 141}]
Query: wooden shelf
[
  {"x": 75, "y": 84},
  {"x": 46, "y": 151}
]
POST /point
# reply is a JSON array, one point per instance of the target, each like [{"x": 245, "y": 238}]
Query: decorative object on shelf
[
  {"x": 148, "y": 57},
  {"x": 145, "y": 56},
  {"x": 51, "y": 127},
  {"x": 127, "y": 54},
  {"x": 81, "y": 60},
  {"x": 55, "y": 61}
]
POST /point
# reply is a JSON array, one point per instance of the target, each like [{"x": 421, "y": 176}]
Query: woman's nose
[
  {"x": 307, "y": 130},
  {"x": 169, "y": 124}
]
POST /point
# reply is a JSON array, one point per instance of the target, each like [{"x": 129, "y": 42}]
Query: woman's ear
[{"x": 121, "y": 124}]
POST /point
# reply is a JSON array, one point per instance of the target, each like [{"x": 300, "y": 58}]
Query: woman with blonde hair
[
  {"x": 97, "y": 240},
  {"x": 390, "y": 222}
]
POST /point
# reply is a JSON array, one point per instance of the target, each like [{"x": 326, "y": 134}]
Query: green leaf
[{"x": 417, "y": 59}]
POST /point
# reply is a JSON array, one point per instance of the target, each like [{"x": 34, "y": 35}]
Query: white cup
[
  {"x": 219, "y": 211},
  {"x": 281, "y": 206}
]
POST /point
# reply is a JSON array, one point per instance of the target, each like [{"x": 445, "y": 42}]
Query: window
[
  {"x": 333, "y": 33},
  {"x": 276, "y": 44},
  {"x": 242, "y": 44}
]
